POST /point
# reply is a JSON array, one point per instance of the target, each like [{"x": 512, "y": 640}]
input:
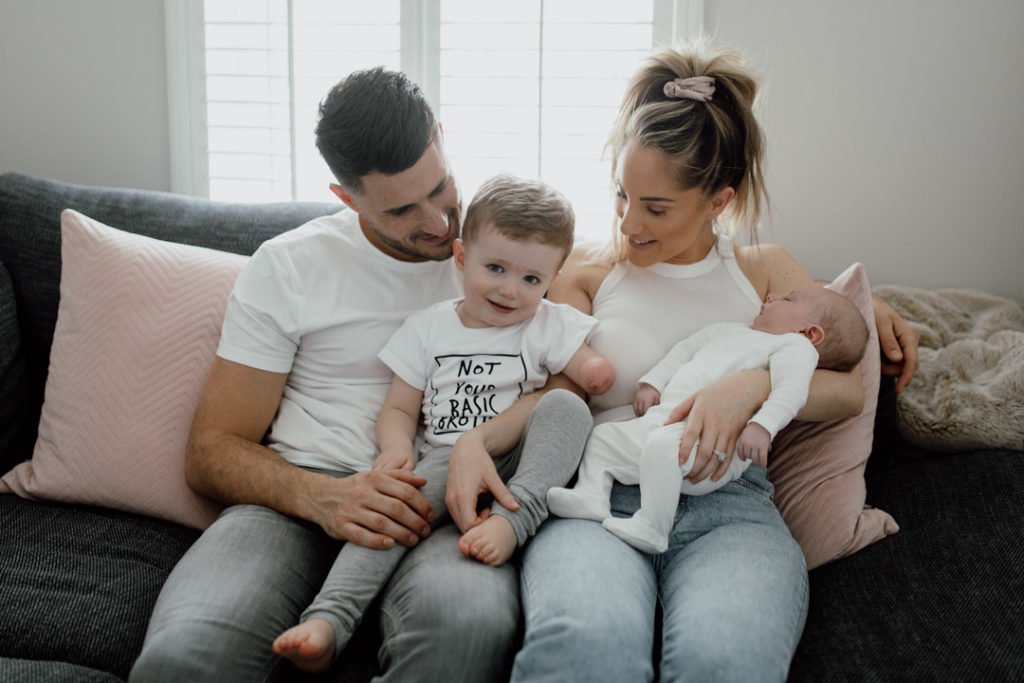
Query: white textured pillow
[{"x": 137, "y": 331}]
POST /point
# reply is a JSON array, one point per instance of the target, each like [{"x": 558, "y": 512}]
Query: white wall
[
  {"x": 895, "y": 127},
  {"x": 896, "y": 134},
  {"x": 83, "y": 87}
]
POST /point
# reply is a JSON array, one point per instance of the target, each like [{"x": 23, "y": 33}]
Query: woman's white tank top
[{"x": 644, "y": 312}]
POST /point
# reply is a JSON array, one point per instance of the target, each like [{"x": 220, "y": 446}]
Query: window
[{"x": 529, "y": 87}]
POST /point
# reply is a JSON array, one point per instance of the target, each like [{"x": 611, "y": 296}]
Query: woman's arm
[{"x": 899, "y": 344}]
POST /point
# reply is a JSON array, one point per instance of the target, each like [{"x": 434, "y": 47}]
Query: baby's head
[
  {"x": 830, "y": 321},
  {"x": 516, "y": 234}
]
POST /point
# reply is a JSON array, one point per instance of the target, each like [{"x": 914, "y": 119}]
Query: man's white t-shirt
[
  {"x": 469, "y": 375},
  {"x": 319, "y": 302}
]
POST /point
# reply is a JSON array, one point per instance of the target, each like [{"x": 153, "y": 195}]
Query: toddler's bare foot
[
  {"x": 309, "y": 646},
  {"x": 492, "y": 542}
]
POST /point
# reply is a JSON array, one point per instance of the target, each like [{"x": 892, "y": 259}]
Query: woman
[{"x": 732, "y": 587}]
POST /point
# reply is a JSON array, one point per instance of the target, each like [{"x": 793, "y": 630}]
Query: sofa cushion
[
  {"x": 79, "y": 583},
  {"x": 939, "y": 601},
  {"x": 31, "y": 671},
  {"x": 136, "y": 334}
]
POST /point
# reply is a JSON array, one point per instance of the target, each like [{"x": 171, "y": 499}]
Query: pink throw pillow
[
  {"x": 137, "y": 331},
  {"x": 818, "y": 467}
]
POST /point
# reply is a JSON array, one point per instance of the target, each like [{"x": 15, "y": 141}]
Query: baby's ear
[{"x": 814, "y": 333}]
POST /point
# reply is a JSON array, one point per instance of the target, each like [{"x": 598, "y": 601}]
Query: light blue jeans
[{"x": 732, "y": 588}]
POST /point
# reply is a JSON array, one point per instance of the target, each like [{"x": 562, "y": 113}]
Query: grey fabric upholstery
[
  {"x": 941, "y": 599},
  {"x": 14, "y": 440},
  {"x": 78, "y": 583},
  {"x": 32, "y": 671}
]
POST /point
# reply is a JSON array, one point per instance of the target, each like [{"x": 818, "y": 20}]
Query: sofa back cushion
[
  {"x": 136, "y": 334},
  {"x": 30, "y": 211},
  {"x": 13, "y": 381}
]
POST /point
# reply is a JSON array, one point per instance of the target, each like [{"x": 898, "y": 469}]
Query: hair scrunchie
[{"x": 699, "y": 88}]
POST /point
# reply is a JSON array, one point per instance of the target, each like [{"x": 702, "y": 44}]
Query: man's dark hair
[{"x": 373, "y": 120}]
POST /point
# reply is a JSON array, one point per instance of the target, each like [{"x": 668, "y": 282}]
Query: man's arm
[{"x": 225, "y": 461}]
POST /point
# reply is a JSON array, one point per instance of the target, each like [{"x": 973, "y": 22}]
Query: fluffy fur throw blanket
[{"x": 969, "y": 391}]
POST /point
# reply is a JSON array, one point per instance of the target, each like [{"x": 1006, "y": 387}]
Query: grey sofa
[{"x": 941, "y": 600}]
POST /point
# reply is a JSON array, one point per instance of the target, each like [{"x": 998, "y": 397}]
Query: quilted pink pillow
[
  {"x": 818, "y": 467},
  {"x": 137, "y": 331}
]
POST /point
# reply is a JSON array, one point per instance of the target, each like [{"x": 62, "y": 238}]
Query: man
[{"x": 298, "y": 356}]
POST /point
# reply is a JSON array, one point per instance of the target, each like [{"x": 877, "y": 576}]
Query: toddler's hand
[
  {"x": 394, "y": 460},
  {"x": 646, "y": 398},
  {"x": 754, "y": 444}
]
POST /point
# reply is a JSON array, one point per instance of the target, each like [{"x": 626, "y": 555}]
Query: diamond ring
[{"x": 720, "y": 455}]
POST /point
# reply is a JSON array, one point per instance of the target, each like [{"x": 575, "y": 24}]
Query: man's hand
[
  {"x": 471, "y": 472},
  {"x": 755, "y": 442},
  {"x": 372, "y": 509},
  {"x": 646, "y": 398},
  {"x": 715, "y": 416},
  {"x": 898, "y": 342}
]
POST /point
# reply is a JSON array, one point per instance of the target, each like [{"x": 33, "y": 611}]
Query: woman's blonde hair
[{"x": 713, "y": 143}]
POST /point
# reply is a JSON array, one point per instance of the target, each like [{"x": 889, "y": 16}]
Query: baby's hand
[
  {"x": 646, "y": 398},
  {"x": 754, "y": 444},
  {"x": 394, "y": 460}
]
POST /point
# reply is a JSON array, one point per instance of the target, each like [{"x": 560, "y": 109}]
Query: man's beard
[{"x": 439, "y": 252}]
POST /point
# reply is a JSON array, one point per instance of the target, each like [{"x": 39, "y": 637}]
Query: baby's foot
[
  {"x": 309, "y": 646},
  {"x": 492, "y": 541},
  {"x": 638, "y": 534},
  {"x": 574, "y": 503}
]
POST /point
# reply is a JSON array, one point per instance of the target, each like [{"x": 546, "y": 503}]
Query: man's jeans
[{"x": 444, "y": 617}]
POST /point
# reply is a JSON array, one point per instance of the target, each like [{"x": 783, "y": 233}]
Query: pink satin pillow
[
  {"x": 818, "y": 467},
  {"x": 137, "y": 331}
]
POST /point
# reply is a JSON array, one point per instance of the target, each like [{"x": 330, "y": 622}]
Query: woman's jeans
[{"x": 732, "y": 588}]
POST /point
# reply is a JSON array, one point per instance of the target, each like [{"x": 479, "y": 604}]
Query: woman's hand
[
  {"x": 715, "y": 417},
  {"x": 471, "y": 472},
  {"x": 898, "y": 341}
]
